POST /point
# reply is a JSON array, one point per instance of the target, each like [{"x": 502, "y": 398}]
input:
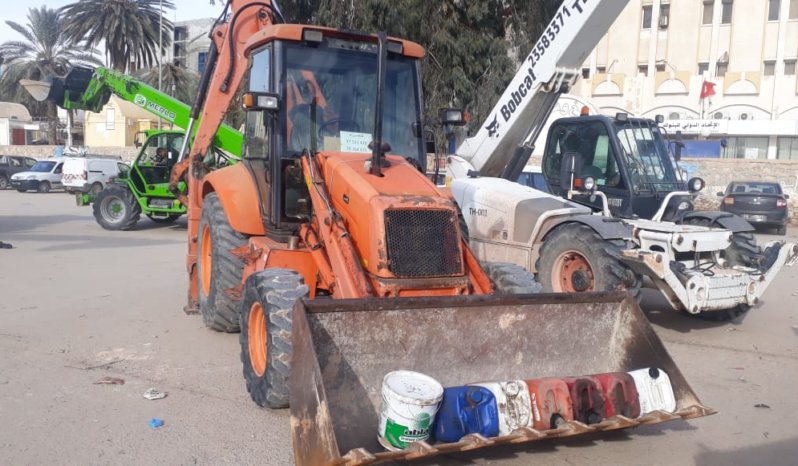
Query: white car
[
  {"x": 42, "y": 177},
  {"x": 90, "y": 174}
]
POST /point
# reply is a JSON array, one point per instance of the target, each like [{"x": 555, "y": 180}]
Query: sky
[{"x": 17, "y": 11}]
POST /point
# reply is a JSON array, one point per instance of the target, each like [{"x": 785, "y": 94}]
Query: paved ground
[{"x": 78, "y": 304}]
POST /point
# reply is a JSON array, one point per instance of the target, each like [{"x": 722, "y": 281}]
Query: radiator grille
[{"x": 423, "y": 243}]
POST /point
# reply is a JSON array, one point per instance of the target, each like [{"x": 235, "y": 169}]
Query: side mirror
[{"x": 452, "y": 116}]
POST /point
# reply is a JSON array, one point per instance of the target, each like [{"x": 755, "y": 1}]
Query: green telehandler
[{"x": 144, "y": 189}]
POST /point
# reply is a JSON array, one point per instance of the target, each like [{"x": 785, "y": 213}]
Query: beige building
[
  {"x": 658, "y": 54},
  {"x": 118, "y": 124}
]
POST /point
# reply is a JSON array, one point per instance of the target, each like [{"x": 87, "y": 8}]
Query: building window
[
  {"x": 660, "y": 66},
  {"x": 585, "y": 73},
  {"x": 720, "y": 69},
  {"x": 647, "y": 16},
  {"x": 773, "y": 10},
  {"x": 706, "y": 16},
  {"x": 788, "y": 148},
  {"x": 746, "y": 148},
  {"x": 793, "y": 9},
  {"x": 664, "y": 15},
  {"x": 726, "y": 12},
  {"x": 642, "y": 69},
  {"x": 770, "y": 68},
  {"x": 789, "y": 67},
  {"x": 703, "y": 68},
  {"x": 202, "y": 58},
  {"x": 601, "y": 69},
  {"x": 110, "y": 119},
  {"x": 181, "y": 33}
]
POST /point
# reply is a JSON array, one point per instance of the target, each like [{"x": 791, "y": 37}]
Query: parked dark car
[
  {"x": 11, "y": 164},
  {"x": 761, "y": 203}
]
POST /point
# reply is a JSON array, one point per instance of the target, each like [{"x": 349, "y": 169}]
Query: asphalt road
[{"x": 78, "y": 304}]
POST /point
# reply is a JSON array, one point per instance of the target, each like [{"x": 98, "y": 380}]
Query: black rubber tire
[
  {"x": 4, "y": 182},
  {"x": 43, "y": 187},
  {"x": 781, "y": 230},
  {"x": 510, "y": 278},
  {"x": 22, "y": 190},
  {"x": 276, "y": 291},
  {"x": 219, "y": 310},
  {"x": 609, "y": 273},
  {"x": 170, "y": 219},
  {"x": 96, "y": 188},
  {"x": 743, "y": 250},
  {"x": 102, "y": 204}
]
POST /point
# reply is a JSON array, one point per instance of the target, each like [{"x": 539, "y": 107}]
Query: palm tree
[
  {"x": 45, "y": 51},
  {"x": 177, "y": 81},
  {"x": 129, "y": 29}
]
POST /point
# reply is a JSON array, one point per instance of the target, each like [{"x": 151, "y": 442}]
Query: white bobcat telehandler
[{"x": 620, "y": 209}]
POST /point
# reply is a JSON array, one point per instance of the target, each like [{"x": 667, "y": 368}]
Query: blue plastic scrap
[{"x": 156, "y": 423}]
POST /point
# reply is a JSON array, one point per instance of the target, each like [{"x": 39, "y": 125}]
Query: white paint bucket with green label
[{"x": 410, "y": 402}]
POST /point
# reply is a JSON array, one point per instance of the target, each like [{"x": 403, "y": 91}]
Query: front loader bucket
[{"x": 344, "y": 348}]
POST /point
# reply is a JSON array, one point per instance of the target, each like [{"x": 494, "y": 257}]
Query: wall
[{"x": 43, "y": 152}]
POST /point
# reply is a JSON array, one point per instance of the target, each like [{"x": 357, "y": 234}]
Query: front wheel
[
  {"x": 574, "y": 258},
  {"x": 743, "y": 250},
  {"x": 266, "y": 323},
  {"x": 115, "y": 208},
  {"x": 218, "y": 270}
]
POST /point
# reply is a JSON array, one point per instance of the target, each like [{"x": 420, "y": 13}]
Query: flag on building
[{"x": 707, "y": 90}]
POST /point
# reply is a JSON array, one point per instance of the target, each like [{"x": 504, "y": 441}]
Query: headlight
[
  {"x": 695, "y": 184},
  {"x": 589, "y": 183},
  {"x": 31, "y": 177},
  {"x": 684, "y": 205}
]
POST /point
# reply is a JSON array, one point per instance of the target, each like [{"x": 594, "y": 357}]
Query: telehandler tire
[
  {"x": 266, "y": 322},
  {"x": 115, "y": 208},
  {"x": 574, "y": 259},
  {"x": 511, "y": 278},
  {"x": 218, "y": 270}
]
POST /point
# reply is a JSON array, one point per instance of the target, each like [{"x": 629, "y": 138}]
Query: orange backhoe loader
[{"x": 333, "y": 254}]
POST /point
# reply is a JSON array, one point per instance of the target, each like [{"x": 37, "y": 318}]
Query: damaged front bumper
[{"x": 698, "y": 290}]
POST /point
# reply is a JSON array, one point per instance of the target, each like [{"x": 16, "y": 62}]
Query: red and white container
[
  {"x": 620, "y": 392},
  {"x": 654, "y": 390},
  {"x": 550, "y": 402},
  {"x": 512, "y": 401}
]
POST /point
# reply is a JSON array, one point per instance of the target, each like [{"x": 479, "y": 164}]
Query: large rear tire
[
  {"x": 574, "y": 258},
  {"x": 218, "y": 270},
  {"x": 266, "y": 323},
  {"x": 115, "y": 208},
  {"x": 511, "y": 278}
]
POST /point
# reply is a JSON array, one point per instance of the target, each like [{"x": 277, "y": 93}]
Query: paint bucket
[{"x": 410, "y": 401}]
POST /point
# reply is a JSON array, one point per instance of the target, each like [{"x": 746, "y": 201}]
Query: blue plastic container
[{"x": 466, "y": 410}]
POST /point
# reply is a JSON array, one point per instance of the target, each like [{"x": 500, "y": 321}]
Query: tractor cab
[
  {"x": 627, "y": 159},
  {"x": 313, "y": 91}
]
